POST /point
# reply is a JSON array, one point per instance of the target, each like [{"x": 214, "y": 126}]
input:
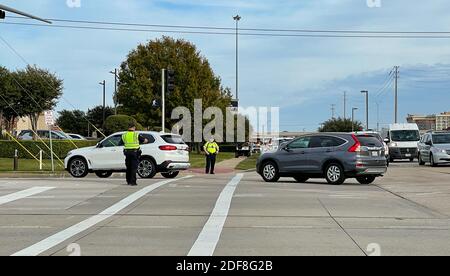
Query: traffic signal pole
[{"x": 163, "y": 99}]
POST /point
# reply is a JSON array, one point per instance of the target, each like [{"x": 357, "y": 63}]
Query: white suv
[{"x": 165, "y": 153}]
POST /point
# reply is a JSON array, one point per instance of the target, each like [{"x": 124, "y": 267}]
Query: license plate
[{"x": 375, "y": 153}]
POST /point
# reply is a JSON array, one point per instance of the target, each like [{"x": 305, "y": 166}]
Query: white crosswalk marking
[
  {"x": 72, "y": 231},
  {"x": 210, "y": 235},
  {"x": 23, "y": 194}
]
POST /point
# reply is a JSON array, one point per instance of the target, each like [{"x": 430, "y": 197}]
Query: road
[{"x": 405, "y": 213}]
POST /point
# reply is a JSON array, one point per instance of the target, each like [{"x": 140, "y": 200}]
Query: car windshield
[
  {"x": 405, "y": 135},
  {"x": 369, "y": 141},
  {"x": 441, "y": 139}
]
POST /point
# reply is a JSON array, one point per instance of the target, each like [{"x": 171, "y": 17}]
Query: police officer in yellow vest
[
  {"x": 132, "y": 151},
  {"x": 211, "y": 149}
]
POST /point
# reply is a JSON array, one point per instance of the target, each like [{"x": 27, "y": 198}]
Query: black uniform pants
[
  {"x": 132, "y": 163},
  {"x": 210, "y": 163}
]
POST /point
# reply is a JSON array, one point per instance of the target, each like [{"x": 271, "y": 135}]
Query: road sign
[{"x": 49, "y": 119}]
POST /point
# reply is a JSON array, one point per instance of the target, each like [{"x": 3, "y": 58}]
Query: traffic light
[
  {"x": 2, "y": 14},
  {"x": 170, "y": 80}
]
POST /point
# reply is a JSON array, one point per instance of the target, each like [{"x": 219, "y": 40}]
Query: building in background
[
  {"x": 425, "y": 123},
  {"x": 24, "y": 123},
  {"x": 443, "y": 121}
]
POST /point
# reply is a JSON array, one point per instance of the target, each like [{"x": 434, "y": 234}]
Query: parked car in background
[
  {"x": 402, "y": 140},
  {"x": 243, "y": 149},
  {"x": 43, "y": 134},
  {"x": 76, "y": 136},
  {"x": 333, "y": 156},
  {"x": 434, "y": 148},
  {"x": 164, "y": 153}
]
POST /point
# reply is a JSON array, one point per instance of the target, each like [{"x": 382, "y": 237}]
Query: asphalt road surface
[{"x": 405, "y": 213}]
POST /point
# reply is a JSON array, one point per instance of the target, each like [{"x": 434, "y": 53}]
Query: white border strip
[
  {"x": 72, "y": 231},
  {"x": 206, "y": 243},
  {"x": 23, "y": 194}
]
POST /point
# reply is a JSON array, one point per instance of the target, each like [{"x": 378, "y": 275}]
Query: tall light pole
[
  {"x": 367, "y": 108},
  {"x": 116, "y": 79},
  {"x": 353, "y": 118},
  {"x": 237, "y": 18},
  {"x": 163, "y": 100},
  {"x": 103, "y": 83},
  {"x": 396, "y": 92}
]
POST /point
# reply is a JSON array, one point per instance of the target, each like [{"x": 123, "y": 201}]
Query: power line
[
  {"x": 232, "y": 29},
  {"x": 232, "y": 33}
]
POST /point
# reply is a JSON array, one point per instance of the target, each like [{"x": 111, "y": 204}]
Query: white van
[{"x": 402, "y": 140}]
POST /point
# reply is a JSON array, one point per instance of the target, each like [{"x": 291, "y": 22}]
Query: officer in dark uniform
[{"x": 132, "y": 140}]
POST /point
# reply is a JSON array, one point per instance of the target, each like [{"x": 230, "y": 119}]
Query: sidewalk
[{"x": 227, "y": 166}]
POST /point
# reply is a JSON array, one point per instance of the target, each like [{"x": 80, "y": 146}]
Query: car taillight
[
  {"x": 357, "y": 146},
  {"x": 168, "y": 148}
]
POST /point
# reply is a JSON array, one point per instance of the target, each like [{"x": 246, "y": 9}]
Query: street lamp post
[
  {"x": 367, "y": 108},
  {"x": 116, "y": 79},
  {"x": 103, "y": 83},
  {"x": 353, "y": 118},
  {"x": 237, "y": 18}
]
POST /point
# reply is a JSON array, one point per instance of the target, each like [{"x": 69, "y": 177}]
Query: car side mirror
[{"x": 387, "y": 140}]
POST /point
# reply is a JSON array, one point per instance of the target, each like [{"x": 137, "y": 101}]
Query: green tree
[
  {"x": 117, "y": 123},
  {"x": 340, "y": 125},
  {"x": 95, "y": 115},
  {"x": 140, "y": 81},
  {"x": 8, "y": 100},
  {"x": 73, "y": 122},
  {"x": 39, "y": 90}
]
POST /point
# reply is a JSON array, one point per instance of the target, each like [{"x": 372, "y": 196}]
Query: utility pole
[
  {"x": 103, "y": 83},
  {"x": 345, "y": 105},
  {"x": 353, "y": 118},
  {"x": 163, "y": 99},
  {"x": 237, "y": 18},
  {"x": 333, "y": 111},
  {"x": 116, "y": 79},
  {"x": 396, "y": 92},
  {"x": 367, "y": 108}
]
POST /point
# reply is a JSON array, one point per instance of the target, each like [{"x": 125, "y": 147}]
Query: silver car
[
  {"x": 333, "y": 156},
  {"x": 434, "y": 148}
]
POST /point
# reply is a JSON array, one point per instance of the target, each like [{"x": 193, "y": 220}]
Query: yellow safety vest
[
  {"x": 212, "y": 147},
  {"x": 131, "y": 140}
]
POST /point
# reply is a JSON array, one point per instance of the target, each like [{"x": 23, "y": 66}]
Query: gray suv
[
  {"x": 434, "y": 147},
  {"x": 334, "y": 156}
]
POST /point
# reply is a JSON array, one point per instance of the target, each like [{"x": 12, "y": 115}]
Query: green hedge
[{"x": 60, "y": 148}]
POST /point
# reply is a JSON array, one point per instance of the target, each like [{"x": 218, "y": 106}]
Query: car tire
[
  {"x": 301, "y": 179},
  {"x": 146, "y": 168},
  {"x": 366, "y": 180},
  {"x": 103, "y": 174},
  {"x": 170, "y": 174},
  {"x": 432, "y": 163},
  {"x": 270, "y": 172},
  {"x": 78, "y": 167},
  {"x": 421, "y": 162},
  {"x": 334, "y": 174}
]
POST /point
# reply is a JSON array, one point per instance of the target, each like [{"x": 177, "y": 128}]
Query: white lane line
[
  {"x": 206, "y": 243},
  {"x": 23, "y": 194},
  {"x": 72, "y": 231}
]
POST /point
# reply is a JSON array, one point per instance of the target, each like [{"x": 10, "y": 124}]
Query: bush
[
  {"x": 117, "y": 123},
  {"x": 60, "y": 148}
]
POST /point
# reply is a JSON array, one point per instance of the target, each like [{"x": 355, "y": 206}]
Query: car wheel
[
  {"x": 270, "y": 172},
  {"x": 170, "y": 174},
  {"x": 103, "y": 174},
  {"x": 366, "y": 180},
  {"x": 433, "y": 164},
  {"x": 78, "y": 167},
  {"x": 146, "y": 168},
  {"x": 421, "y": 162},
  {"x": 335, "y": 174},
  {"x": 301, "y": 179}
]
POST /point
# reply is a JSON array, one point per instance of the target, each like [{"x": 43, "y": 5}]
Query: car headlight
[
  {"x": 443, "y": 151},
  {"x": 394, "y": 145}
]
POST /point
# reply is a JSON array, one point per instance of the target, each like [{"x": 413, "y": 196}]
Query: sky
[{"x": 304, "y": 76}]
